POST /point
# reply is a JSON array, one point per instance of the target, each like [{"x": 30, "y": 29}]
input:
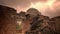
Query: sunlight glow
[{"x": 41, "y": 5}]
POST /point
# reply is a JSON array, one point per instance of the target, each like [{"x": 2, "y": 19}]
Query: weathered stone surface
[
  {"x": 41, "y": 25},
  {"x": 56, "y": 22},
  {"x": 36, "y": 23},
  {"x": 7, "y": 20}
]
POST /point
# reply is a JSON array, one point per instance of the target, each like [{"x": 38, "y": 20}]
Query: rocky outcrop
[
  {"x": 36, "y": 23},
  {"x": 56, "y": 22},
  {"x": 33, "y": 22},
  {"x": 7, "y": 20}
]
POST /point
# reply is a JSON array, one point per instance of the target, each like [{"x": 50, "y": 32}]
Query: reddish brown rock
[{"x": 7, "y": 20}]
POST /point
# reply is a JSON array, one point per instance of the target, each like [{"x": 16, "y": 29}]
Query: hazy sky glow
[{"x": 49, "y": 8}]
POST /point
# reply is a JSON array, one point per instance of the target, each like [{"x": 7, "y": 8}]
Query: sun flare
[{"x": 42, "y": 5}]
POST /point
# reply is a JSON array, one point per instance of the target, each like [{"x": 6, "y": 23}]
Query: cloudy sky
[{"x": 49, "y": 8}]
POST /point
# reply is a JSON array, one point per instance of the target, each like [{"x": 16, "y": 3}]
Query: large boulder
[{"x": 7, "y": 20}]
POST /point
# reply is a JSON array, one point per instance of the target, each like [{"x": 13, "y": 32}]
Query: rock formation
[
  {"x": 7, "y": 20},
  {"x": 35, "y": 23}
]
